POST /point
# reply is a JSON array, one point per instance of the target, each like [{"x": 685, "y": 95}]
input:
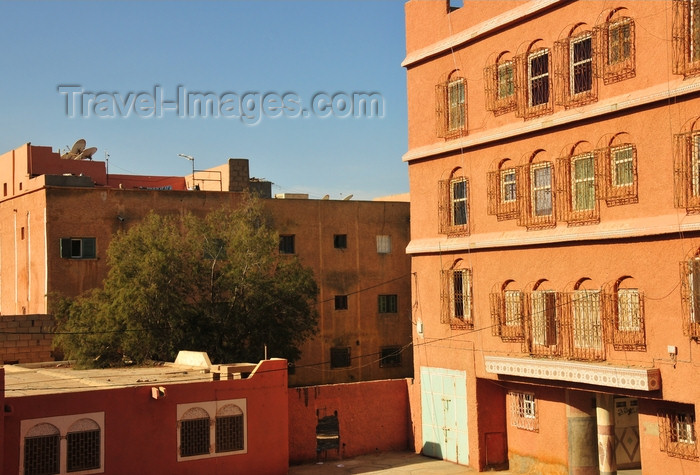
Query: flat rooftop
[{"x": 60, "y": 377}]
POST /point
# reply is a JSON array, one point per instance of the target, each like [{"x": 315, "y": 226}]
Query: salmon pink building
[
  {"x": 59, "y": 215},
  {"x": 554, "y": 164}
]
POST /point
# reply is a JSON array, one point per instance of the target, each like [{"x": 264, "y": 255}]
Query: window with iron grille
[
  {"x": 523, "y": 410},
  {"x": 78, "y": 248},
  {"x": 229, "y": 434},
  {"x": 575, "y": 69},
  {"x": 211, "y": 429},
  {"x": 690, "y": 296},
  {"x": 677, "y": 432},
  {"x": 83, "y": 446},
  {"x": 583, "y": 182},
  {"x": 503, "y": 193},
  {"x": 42, "y": 450},
  {"x": 457, "y": 298},
  {"x": 544, "y": 318},
  {"x": 454, "y": 206},
  {"x": 628, "y": 314},
  {"x": 458, "y": 198},
  {"x": 340, "y": 241},
  {"x": 687, "y": 171},
  {"x": 194, "y": 435},
  {"x": 541, "y": 179},
  {"x": 581, "y": 64},
  {"x": 340, "y": 357},
  {"x": 341, "y": 302},
  {"x": 587, "y": 323},
  {"x": 499, "y": 79},
  {"x": 578, "y": 191},
  {"x": 383, "y": 244},
  {"x": 287, "y": 244},
  {"x": 620, "y": 170},
  {"x": 538, "y": 78},
  {"x": 686, "y": 37},
  {"x": 507, "y": 314},
  {"x": 43, "y": 453},
  {"x": 391, "y": 357},
  {"x": 388, "y": 303},
  {"x": 617, "y": 38},
  {"x": 451, "y": 107}
]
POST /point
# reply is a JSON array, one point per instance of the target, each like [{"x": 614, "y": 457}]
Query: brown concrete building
[
  {"x": 59, "y": 215},
  {"x": 554, "y": 165}
]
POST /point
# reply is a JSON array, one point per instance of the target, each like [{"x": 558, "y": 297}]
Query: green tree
[{"x": 216, "y": 284}]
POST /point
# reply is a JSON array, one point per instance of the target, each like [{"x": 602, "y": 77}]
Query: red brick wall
[{"x": 373, "y": 417}]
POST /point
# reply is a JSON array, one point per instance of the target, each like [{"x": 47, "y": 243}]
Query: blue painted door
[{"x": 444, "y": 414}]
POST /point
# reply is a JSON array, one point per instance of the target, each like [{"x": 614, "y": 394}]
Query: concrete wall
[
  {"x": 140, "y": 433},
  {"x": 373, "y": 417}
]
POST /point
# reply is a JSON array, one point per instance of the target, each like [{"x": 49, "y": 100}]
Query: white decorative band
[{"x": 641, "y": 379}]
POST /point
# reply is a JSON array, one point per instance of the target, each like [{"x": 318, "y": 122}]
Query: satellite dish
[
  {"x": 87, "y": 153},
  {"x": 326, "y": 197},
  {"x": 347, "y": 198},
  {"x": 78, "y": 146}
]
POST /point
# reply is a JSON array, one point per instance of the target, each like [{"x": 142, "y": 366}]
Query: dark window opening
[
  {"x": 340, "y": 241},
  {"x": 388, "y": 303},
  {"x": 78, "y": 248},
  {"x": 391, "y": 357},
  {"x": 341, "y": 302},
  {"x": 340, "y": 357},
  {"x": 287, "y": 244}
]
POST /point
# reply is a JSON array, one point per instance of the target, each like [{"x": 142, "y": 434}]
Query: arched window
[
  {"x": 503, "y": 190},
  {"x": 575, "y": 67},
  {"x": 626, "y": 315},
  {"x": 453, "y": 208},
  {"x": 507, "y": 309},
  {"x": 543, "y": 323},
  {"x": 499, "y": 80},
  {"x": 42, "y": 450},
  {"x": 687, "y": 167},
  {"x": 83, "y": 446},
  {"x": 686, "y": 37},
  {"x": 456, "y": 296},
  {"x": 619, "y": 170},
  {"x": 194, "y": 432},
  {"x": 616, "y": 37},
  {"x": 451, "y": 106},
  {"x": 579, "y": 188},
  {"x": 230, "y": 436},
  {"x": 534, "y": 82},
  {"x": 536, "y": 187}
]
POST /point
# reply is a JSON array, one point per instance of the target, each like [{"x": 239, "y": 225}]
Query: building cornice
[
  {"x": 477, "y": 31},
  {"x": 597, "y": 374},
  {"x": 629, "y": 228},
  {"x": 661, "y": 92}
]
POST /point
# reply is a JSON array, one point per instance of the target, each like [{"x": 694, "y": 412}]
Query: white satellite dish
[
  {"x": 78, "y": 146},
  {"x": 326, "y": 197},
  {"x": 87, "y": 153},
  {"x": 347, "y": 198}
]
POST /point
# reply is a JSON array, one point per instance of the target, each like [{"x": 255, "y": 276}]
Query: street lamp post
[{"x": 191, "y": 159}]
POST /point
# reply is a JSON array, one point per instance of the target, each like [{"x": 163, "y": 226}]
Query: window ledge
[
  {"x": 631, "y": 228},
  {"x": 641, "y": 379}
]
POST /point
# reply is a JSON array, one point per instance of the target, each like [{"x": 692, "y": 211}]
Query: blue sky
[{"x": 289, "y": 51}]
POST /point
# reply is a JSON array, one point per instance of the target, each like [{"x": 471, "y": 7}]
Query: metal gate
[{"x": 444, "y": 414}]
